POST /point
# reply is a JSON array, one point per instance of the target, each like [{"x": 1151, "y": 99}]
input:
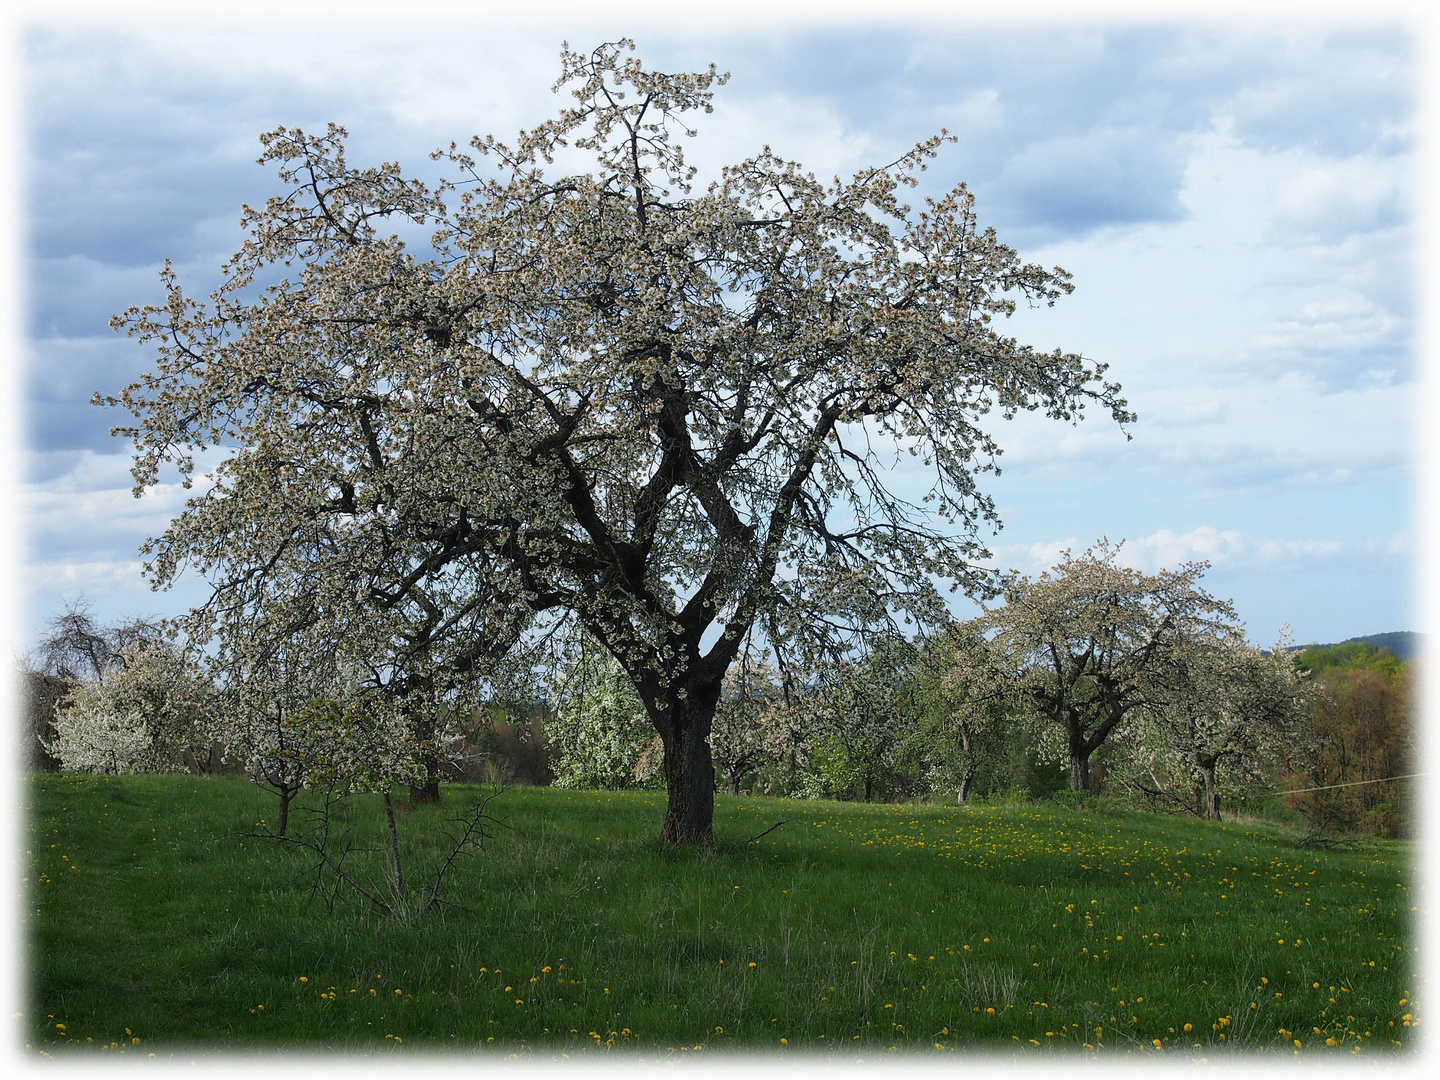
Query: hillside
[
  {"x": 157, "y": 926},
  {"x": 1405, "y": 644}
]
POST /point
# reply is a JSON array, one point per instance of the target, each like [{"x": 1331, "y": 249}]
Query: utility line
[{"x": 1352, "y": 783}]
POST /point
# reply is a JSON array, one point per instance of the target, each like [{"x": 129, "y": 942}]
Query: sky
[{"x": 1236, "y": 202}]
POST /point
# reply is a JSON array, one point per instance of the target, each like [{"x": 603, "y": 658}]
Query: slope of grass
[{"x": 155, "y": 925}]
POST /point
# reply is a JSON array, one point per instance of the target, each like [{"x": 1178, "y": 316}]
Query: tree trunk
[
  {"x": 1212, "y": 796},
  {"x": 394, "y": 846},
  {"x": 734, "y": 776},
  {"x": 1079, "y": 773},
  {"x": 286, "y": 795},
  {"x": 967, "y": 776},
  {"x": 689, "y": 769},
  {"x": 690, "y": 786},
  {"x": 429, "y": 791}
]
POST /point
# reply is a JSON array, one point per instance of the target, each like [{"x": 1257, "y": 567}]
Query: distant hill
[{"x": 1405, "y": 644}]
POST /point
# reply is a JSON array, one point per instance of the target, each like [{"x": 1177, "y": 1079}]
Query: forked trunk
[
  {"x": 967, "y": 777},
  {"x": 966, "y": 780}
]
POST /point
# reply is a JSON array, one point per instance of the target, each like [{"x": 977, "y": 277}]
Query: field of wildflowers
[{"x": 853, "y": 931}]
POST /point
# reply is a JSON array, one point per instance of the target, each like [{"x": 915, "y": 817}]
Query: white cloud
[
  {"x": 1324, "y": 202},
  {"x": 1345, "y": 323},
  {"x": 87, "y": 578},
  {"x": 976, "y": 112},
  {"x": 1167, "y": 549}
]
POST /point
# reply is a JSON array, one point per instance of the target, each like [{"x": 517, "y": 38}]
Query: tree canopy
[
  {"x": 606, "y": 399},
  {"x": 1092, "y": 642}
]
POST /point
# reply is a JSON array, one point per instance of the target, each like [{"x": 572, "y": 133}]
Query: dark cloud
[{"x": 1075, "y": 184}]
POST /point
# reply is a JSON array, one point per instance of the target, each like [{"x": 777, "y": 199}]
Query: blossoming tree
[
  {"x": 148, "y": 709},
  {"x": 1092, "y": 643},
  {"x": 1223, "y": 702},
  {"x": 661, "y": 412}
]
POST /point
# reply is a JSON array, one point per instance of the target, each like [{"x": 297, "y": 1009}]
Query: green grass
[{"x": 155, "y": 926}]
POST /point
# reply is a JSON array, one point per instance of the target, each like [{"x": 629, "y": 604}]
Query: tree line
[{"x": 1092, "y": 678}]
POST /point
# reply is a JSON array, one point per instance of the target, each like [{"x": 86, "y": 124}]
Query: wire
[{"x": 1352, "y": 783}]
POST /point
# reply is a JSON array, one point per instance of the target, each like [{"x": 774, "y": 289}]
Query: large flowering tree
[{"x": 661, "y": 412}]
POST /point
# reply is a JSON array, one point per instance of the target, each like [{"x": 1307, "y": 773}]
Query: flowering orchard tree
[
  {"x": 867, "y": 711},
  {"x": 599, "y": 729},
  {"x": 148, "y": 708},
  {"x": 663, "y": 412},
  {"x": 1221, "y": 701},
  {"x": 1091, "y": 642},
  {"x": 741, "y": 730},
  {"x": 966, "y": 697},
  {"x": 299, "y": 710}
]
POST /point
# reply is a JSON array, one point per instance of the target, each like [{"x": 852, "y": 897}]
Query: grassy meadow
[{"x": 156, "y": 926}]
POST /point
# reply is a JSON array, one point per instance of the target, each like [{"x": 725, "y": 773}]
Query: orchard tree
[
  {"x": 599, "y": 728},
  {"x": 151, "y": 707},
  {"x": 867, "y": 713},
  {"x": 740, "y": 732},
  {"x": 76, "y": 647},
  {"x": 1221, "y": 701},
  {"x": 1090, "y": 642},
  {"x": 963, "y": 697},
  {"x": 665, "y": 413}
]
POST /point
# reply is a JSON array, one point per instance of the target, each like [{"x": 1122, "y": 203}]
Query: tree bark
[
  {"x": 286, "y": 795},
  {"x": 429, "y": 791},
  {"x": 1212, "y": 796},
  {"x": 394, "y": 846},
  {"x": 1079, "y": 773},
  {"x": 966, "y": 780},
  {"x": 690, "y": 787},
  {"x": 684, "y": 729}
]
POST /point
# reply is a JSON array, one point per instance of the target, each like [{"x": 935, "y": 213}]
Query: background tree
[
  {"x": 1221, "y": 702},
  {"x": 149, "y": 713},
  {"x": 868, "y": 713},
  {"x": 268, "y": 698},
  {"x": 663, "y": 413},
  {"x": 1089, "y": 641},
  {"x": 739, "y": 733},
  {"x": 964, "y": 698},
  {"x": 599, "y": 728},
  {"x": 1365, "y": 735},
  {"x": 75, "y": 649}
]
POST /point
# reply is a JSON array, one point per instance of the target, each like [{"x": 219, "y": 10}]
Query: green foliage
[
  {"x": 1365, "y": 730},
  {"x": 1351, "y": 655},
  {"x": 869, "y": 927}
]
